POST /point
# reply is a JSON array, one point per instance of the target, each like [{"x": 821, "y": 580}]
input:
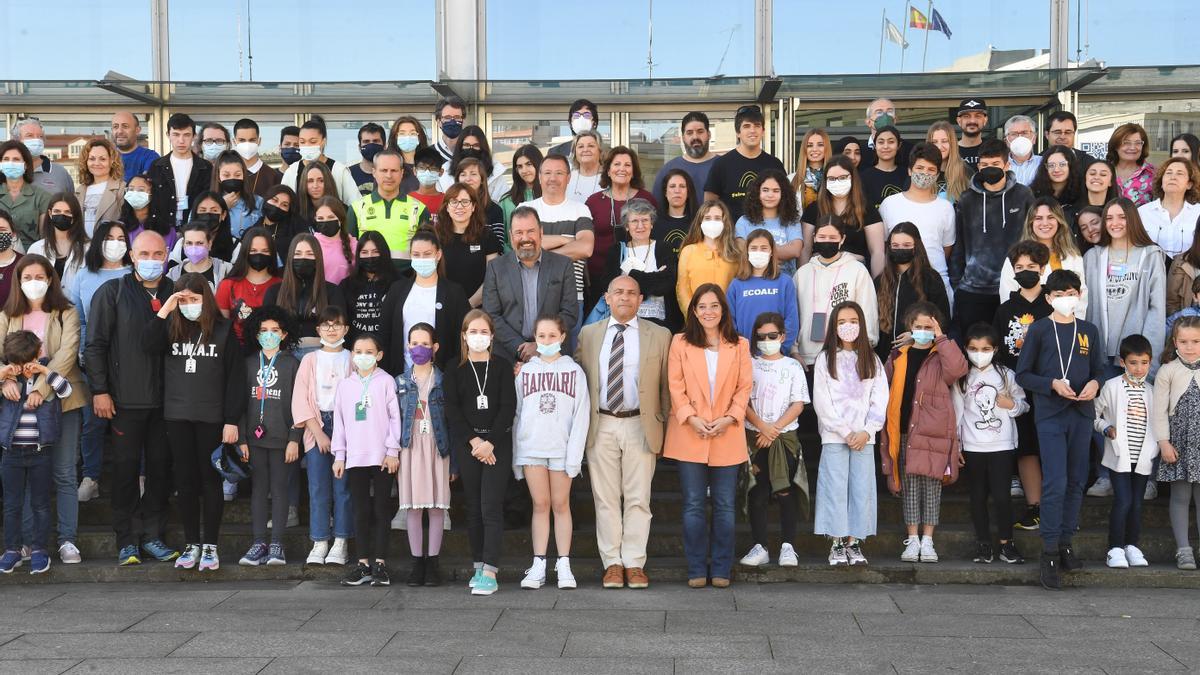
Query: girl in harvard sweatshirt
[
  {"x": 553, "y": 413},
  {"x": 828, "y": 279}
]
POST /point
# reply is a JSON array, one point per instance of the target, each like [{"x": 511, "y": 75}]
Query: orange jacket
[{"x": 687, "y": 377}]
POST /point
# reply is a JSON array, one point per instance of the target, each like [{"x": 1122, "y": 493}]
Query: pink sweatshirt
[
  {"x": 304, "y": 397},
  {"x": 336, "y": 265},
  {"x": 366, "y": 442}
]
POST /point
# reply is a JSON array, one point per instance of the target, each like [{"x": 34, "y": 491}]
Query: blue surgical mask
[
  {"x": 550, "y": 349},
  {"x": 268, "y": 340},
  {"x": 425, "y": 177},
  {"x": 12, "y": 170},
  {"x": 212, "y": 151},
  {"x": 137, "y": 200},
  {"x": 922, "y": 337},
  {"x": 149, "y": 270},
  {"x": 35, "y": 146},
  {"x": 424, "y": 267},
  {"x": 407, "y": 143},
  {"x": 191, "y": 312}
]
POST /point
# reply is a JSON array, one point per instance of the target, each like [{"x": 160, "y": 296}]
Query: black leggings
[
  {"x": 372, "y": 513},
  {"x": 990, "y": 474},
  {"x": 484, "y": 488},
  {"x": 760, "y": 496},
  {"x": 196, "y": 480},
  {"x": 269, "y": 476}
]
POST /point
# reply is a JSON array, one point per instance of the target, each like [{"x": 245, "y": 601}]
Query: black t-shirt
[
  {"x": 878, "y": 185},
  {"x": 307, "y": 316},
  {"x": 733, "y": 173},
  {"x": 856, "y": 240},
  {"x": 364, "y": 180},
  {"x": 916, "y": 358},
  {"x": 465, "y": 263},
  {"x": 672, "y": 231},
  {"x": 970, "y": 157},
  {"x": 365, "y": 302},
  {"x": 493, "y": 217}
]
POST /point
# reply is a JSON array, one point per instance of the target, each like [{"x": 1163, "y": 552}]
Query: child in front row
[
  {"x": 1176, "y": 424},
  {"x": 366, "y": 450},
  {"x": 986, "y": 403},
  {"x": 920, "y": 441},
  {"x": 777, "y": 399},
  {"x": 26, "y": 436},
  {"x": 850, "y": 396},
  {"x": 1123, "y": 411},
  {"x": 548, "y": 439}
]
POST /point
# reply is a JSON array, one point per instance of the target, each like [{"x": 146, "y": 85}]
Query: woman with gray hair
[{"x": 649, "y": 262}]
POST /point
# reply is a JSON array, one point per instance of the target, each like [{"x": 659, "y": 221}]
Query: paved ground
[{"x": 288, "y": 627}]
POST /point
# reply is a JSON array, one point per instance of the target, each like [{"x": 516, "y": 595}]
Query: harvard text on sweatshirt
[{"x": 553, "y": 413}]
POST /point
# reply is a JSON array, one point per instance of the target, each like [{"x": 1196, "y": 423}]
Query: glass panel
[
  {"x": 1163, "y": 119},
  {"x": 1148, "y": 33},
  {"x": 314, "y": 94},
  {"x": 511, "y": 132},
  {"x": 610, "y": 92},
  {"x": 657, "y": 141},
  {"x": 74, "y": 39},
  {"x": 342, "y": 141},
  {"x": 930, "y": 85},
  {"x": 269, "y": 127}
]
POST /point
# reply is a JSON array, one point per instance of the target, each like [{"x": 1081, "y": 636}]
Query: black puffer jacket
[{"x": 114, "y": 358}]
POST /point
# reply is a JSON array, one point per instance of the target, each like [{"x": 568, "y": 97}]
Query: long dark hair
[
  {"x": 689, "y": 205},
  {"x": 18, "y": 305},
  {"x": 693, "y": 332},
  {"x": 1135, "y": 231},
  {"x": 241, "y": 267},
  {"x": 93, "y": 259},
  {"x": 307, "y": 207},
  {"x": 290, "y": 288},
  {"x": 386, "y": 273},
  {"x": 517, "y": 192},
  {"x": 422, "y": 138},
  {"x": 274, "y": 191},
  {"x": 77, "y": 233},
  {"x": 862, "y": 346},
  {"x": 209, "y": 195},
  {"x": 1191, "y": 141},
  {"x": 789, "y": 208},
  {"x": 231, "y": 157},
  {"x": 129, "y": 214},
  {"x": 855, "y": 215},
  {"x": 1042, "y": 187},
  {"x": 180, "y": 328},
  {"x": 983, "y": 331},
  {"x": 444, "y": 226},
  {"x": 890, "y": 279},
  {"x": 485, "y": 152},
  {"x": 339, "y": 209}
]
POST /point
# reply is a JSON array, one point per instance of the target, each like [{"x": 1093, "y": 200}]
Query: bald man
[
  {"x": 126, "y": 130},
  {"x": 126, "y": 384}
]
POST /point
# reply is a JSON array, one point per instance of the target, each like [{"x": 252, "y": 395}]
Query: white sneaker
[
  {"x": 1101, "y": 488},
  {"x": 1151, "y": 491},
  {"x": 535, "y": 576},
  {"x": 337, "y": 554},
  {"x": 228, "y": 490},
  {"x": 757, "y": 557},
  {"x": 317, "y": 555},
  {"x": 928, "y": 554},
  {"x": 912, "y": 550},
  {"x": 1015, "y": 489},
  {"x": 787, "y": 556},
  {"x": 562, "y": 570},
  {"x": 837, "y": 554},
  {"x": 89, "y": 489},
  {"x": 69, "y": 554},
  {"x": 1135, "y": 557},
  {"x": 1117, "y": 559},
  {"x": 854, "y": 554}
]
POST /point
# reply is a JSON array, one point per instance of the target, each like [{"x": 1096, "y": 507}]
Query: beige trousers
[{"x": 621, "y": 468}]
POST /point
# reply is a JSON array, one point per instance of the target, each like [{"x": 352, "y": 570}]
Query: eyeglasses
[
  {"x": 330, "y": 326},
  {"x": 774, "y": 335},
  {"x": 1055, "y": 166},
  {"x": 459, "y": 203},
  {"x": 1133, "y": 144},
  {"x": 456, "y": 118},
  {"x": 1025, "y": 134},
  {"x": 581, "y": 115}
]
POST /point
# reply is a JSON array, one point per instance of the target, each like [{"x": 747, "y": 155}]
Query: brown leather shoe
[
  {"x": 635, "y": 577},
  {"x": 720, "y": 582},
  {"x": 698, "y": 583},
  {"x": 614, "y": 577}
]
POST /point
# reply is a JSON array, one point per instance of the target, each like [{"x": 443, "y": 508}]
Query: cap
[
  {"x": 972, "y": 105},
  {"x": 227, "y": 460}
]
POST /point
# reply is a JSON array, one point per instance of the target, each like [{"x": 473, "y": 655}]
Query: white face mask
[
  {"x": 769, "y": 347},
  {"x": 712, "y": 228},
  {"x": 839, "y": 187},
  {"x": 364, "y": 361},
  {"x": 580, "y": 125},
  {"x": 758, "y": 259},
  {"x": 114, "y": 250},
  {"x": 1020, "y": 146},
  {"x": 1065, "y": 304},
  {"x": 331, "y": 345},
  {"x": 310, "y": 153},
  {"x": 246, "y": 149},
  {"x": 478, "y": 343},
  {"x": 34, "y": 289},
  {"x": 981, "y": 359}
]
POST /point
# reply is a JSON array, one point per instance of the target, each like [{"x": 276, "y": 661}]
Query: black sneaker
[
  {"x": 358, "y": 576},
  {"x": 1031, "y": 520},
  {"x": 1067, "y": 559},
  {"x": 416, "y": 577},
  {"x": 379, "y": 575},
  {"x": 983, "y": 553},
  {"x": 1049, "y": 572},
  {"x": 1010, "y": 554}
]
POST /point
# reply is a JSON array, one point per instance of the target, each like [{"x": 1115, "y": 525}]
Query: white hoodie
[
  {"x": 820, "y": 287},
  {"x": 553, "y": 413},
  {"x": 984, "y": 426}
]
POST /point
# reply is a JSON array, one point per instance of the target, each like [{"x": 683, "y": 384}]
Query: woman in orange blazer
[{"x": 709, "y": 376}]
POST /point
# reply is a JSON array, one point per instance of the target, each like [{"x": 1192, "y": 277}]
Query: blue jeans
[
  {"x": 24, "y": 471},
  {"x": 325, "y": 491},
  {"x": 695, "y": 480},
  {"x": 1065, "y": 441},
  {"x": 92, "y": 442},
  {"x": 1125, "y": 518},
  {"x": 66, "y": 486}
]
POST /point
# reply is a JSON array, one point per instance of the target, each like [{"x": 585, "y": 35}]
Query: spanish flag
[{"x": 917, "y": 19}]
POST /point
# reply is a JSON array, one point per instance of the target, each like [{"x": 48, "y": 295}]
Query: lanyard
[
  {"x": 1070, "y": 353},
  {"x": 827, "y": 290},
  {"x": 364, "y": 399},
  {"x": 486, "y": 368},
  {"x": 264, "y": 371}
]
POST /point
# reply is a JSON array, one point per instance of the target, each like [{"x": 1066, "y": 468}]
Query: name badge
[
  {"x": 481, "y": 402},
  {"x": 475, "y": 248},
  {"x": 189, "y": 366},
  {"x": 360, "y": 412},
  {"x": 423, "y": 427}
]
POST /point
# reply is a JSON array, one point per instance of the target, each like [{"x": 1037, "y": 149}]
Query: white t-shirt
[
  {"x": 331, "y": 369},
  {"x": 935, "y": 221},
  {"x": 182, "y": 168},
  {"x": 419, "y": 307},
  {"x": 91, "y": 202},
  {"x": 581, "y": 187},
  {"x": 710, "y": 360},
  {"x": 777, "y": 385}
]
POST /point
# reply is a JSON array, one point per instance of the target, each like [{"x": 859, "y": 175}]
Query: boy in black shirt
[{"x": 739, "y": 168}]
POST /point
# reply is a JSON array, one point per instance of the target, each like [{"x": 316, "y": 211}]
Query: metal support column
[
  {"x": 764, "y": 60},
  {"x": 1060, "y": 13},
  {"x": 160, "y": 40}
]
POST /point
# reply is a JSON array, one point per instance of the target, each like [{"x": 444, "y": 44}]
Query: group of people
[{"x": 950, "y": 304}]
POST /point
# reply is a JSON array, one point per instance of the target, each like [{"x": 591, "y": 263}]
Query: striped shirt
[
  {"x": 27, "y": 427},
  {"x": 1135, "y": 415}
]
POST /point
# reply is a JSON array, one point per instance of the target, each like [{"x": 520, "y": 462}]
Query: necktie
[{"x": 616, "y": 370}]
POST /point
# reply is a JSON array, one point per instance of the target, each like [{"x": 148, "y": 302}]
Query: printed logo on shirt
[
  {"x": 752, "y": 292},
  {"x": 1120, "y": 284},
  {"x": 1083, "y": 344},
  {"x": 1015, "y": 338},
  {"x": 190, "y": 349},
  {"x": 271, "y": 379},
  {"x": 562, "y": 383},
  {"x": 748, "y": 178},
  {"x": 839, "y": 294},
  {"x": 547, "y": 404},
  {"x": 983, "y": 395}
]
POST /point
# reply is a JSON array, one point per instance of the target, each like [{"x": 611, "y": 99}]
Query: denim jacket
[
  {"x": 49, "y": 418},
  {"x": 408, "y": 393}
]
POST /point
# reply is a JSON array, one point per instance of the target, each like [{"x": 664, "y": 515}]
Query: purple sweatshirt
[{"x": 366, "y": 442}]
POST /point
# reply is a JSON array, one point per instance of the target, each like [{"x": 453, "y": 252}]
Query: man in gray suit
[{"x": 524, "y": 283}]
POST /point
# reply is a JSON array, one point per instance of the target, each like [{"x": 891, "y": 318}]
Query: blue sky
[{"x": 551, "y": 39}]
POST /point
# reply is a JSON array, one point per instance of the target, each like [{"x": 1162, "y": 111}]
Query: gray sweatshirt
[{"x": 1129, "y": 300}]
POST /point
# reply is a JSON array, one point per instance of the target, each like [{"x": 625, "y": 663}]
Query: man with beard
[
  {"x": 972, "y": 118},
  {"x": 696, "y": 159},
  {"x": 126, "y": 130}
]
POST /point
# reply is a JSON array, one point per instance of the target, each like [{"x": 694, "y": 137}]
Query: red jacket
[{"x": 933, "y": 448}]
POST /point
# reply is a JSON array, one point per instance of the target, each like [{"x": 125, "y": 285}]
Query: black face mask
[
  {"x": 1027, "y": 279},
  {"x": 991, "y": 175},
  {"x": 370, "y": 265},
  {"x": 901, "y": 256},
  {"x": 329, "y": 228},
  {"x": 61, "y": 222},
  {"x": 274, "y": 213},
  {"x": 826, "y": 249},
  {"x": 472, "y": 153},
  {"x": 232, "y": 185},
  {"x": 305, "y": 268},
  {"x": 258, "y": 261},
  {"x": 209, "y": 220}
]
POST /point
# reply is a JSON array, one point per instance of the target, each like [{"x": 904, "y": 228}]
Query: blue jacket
[
  {"x": 49, "y": 418},
  {"x": 1038, "y": 365},
  {"x": 408, "y": 393}
]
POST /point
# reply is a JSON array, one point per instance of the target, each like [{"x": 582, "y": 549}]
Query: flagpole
[
  {"x": 904, "y": 36},
  {"x": 928, "y": 28},
  {"x": 882, "y": 31}
]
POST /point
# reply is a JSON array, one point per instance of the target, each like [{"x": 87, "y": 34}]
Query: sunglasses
[
  {"x": 767, "y": 336},
  {"x": 749, "y": 109}
]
